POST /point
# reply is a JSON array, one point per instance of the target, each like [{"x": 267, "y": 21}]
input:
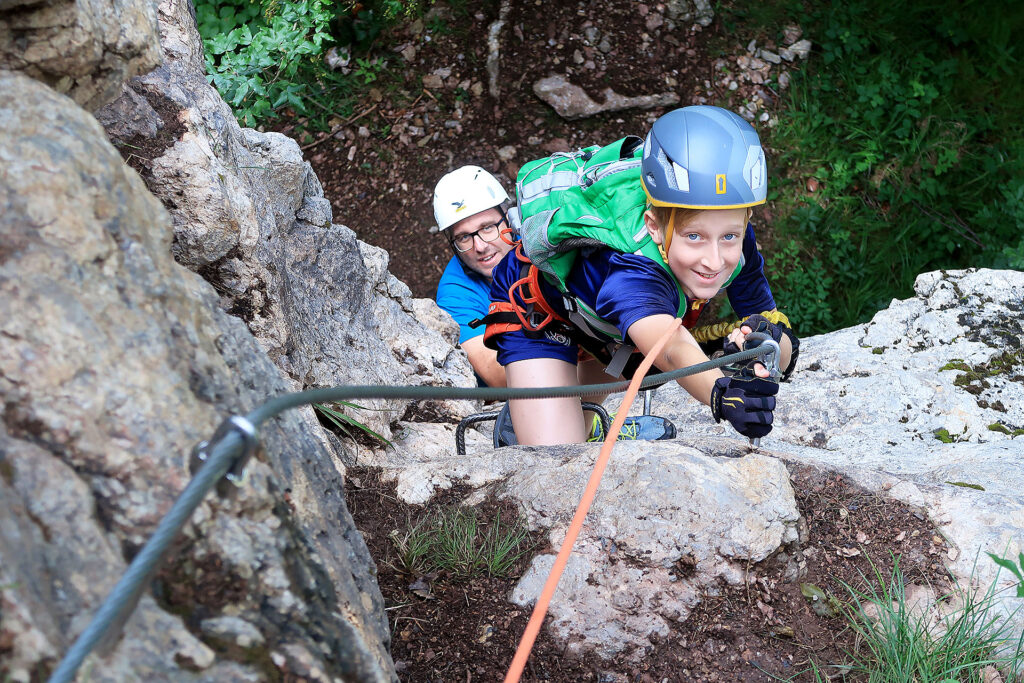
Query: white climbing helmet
[{"x": 464, "y": 192}]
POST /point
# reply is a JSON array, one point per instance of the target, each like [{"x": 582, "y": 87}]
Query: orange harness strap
[{"x": 528, "y": 288}]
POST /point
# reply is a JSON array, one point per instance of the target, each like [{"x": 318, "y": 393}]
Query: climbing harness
[{"x": 224, "y": 457}]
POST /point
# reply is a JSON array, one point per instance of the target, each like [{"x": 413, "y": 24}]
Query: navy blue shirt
[{"x": 622, "y": 289}]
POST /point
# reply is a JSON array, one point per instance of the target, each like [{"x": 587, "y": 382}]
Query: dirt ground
[
  {"x": 765, "y": 630},
  {"x": 378, "y": 167}
]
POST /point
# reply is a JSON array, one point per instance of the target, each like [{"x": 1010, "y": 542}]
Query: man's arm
[{"x": 484, "y": 361}]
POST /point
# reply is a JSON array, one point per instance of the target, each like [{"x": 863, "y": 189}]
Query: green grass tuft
[
  {"x": 456, "y": 541},
  {"x": 901, "y": 643}
]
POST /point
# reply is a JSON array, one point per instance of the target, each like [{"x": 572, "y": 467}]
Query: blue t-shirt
[
  {"x": 465, "y": 295},
  {"x": 622, "y": 289}
]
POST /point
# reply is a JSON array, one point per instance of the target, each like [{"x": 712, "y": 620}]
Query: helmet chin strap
[{"x": 667, "y": 242}]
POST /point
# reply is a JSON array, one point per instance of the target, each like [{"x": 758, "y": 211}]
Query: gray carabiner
[{"x": 770, "y": 358}]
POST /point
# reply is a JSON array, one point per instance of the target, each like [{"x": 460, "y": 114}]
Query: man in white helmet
[{"x": 469, "y": 206}]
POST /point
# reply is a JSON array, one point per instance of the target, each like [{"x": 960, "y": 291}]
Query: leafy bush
[
  {"x": 263, "y": 55},
  {"x": 909, "y": 119}
]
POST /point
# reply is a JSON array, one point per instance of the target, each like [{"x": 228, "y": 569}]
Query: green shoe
[{"x": 637, "y": 428}]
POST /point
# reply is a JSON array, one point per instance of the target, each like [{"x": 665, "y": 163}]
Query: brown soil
[
  {"x": 766, "y": 630},
  {"x": 380, "y": 179}
]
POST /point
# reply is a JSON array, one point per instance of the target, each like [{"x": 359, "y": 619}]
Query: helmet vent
[
  {"x": 666, "y": 165},
  {"x": 682, "y": 177}
]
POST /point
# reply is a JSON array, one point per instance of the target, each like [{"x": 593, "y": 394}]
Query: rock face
[
  {"x": 83, "y": 49},
  {"x": 114, "y": 361},
  {"x": 250, "y": 215},
  {"x": 923, "y": 404}
]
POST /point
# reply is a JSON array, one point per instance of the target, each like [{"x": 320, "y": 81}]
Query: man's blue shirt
[{"x": 465, "y": 296}]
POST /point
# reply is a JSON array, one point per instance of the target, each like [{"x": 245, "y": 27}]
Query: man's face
[{"x": 481, "y": 256}]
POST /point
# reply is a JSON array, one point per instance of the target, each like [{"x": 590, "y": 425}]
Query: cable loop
[{"x": 250, "y": 445}]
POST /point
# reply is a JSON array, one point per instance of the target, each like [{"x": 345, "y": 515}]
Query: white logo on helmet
[
  {"x": 754, "y": 171},
  {"x": 682, "y": 177}
]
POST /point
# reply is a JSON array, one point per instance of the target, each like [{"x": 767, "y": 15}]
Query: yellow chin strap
[{"x": 667, "y": 242}]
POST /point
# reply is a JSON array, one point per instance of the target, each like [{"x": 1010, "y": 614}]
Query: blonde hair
[{"x": 683, "y": 217}]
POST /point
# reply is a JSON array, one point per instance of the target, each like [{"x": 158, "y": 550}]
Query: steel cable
[{"x": 224, "y": 452}]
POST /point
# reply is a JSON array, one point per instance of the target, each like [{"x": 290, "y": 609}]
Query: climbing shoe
[
  {"x": 504, "y": 434},
  {"x": 637, "y": 428}
]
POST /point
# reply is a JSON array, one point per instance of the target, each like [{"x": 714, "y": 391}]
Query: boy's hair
[{"x": 663, "y": 214}]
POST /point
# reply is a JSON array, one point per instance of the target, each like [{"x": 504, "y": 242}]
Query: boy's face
[
  {"x": 481, "y": 255},
  {"x": 703, "y": 254}
]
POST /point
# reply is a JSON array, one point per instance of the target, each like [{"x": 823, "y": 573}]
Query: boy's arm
[
  {"x": 484, "y": 361},
  {"x": 746, "y": 399},
  {"x": 681, "y": 351}
]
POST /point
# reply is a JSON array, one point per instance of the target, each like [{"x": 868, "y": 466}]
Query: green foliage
[
  {"x": 1009, "y": 566},
  {"x": 457, "y": 541},
  {"x": 909, "y": 117},
  {"x": 361, "y": 23},
  {"x": 267, "y": 55},
  {"x": 343, "y": 422},
  {"x": 898, "y": 644},
  {"x": 261, "y": 56}
]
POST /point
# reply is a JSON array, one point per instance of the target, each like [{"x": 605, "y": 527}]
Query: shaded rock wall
[
  {"x": 85, "y": 50},
  {"x": 250, "y": 215},
  {"x": 114, "y": 360}
]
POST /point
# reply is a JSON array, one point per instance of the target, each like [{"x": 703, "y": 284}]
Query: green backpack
[{"x": 592, "y": 197}]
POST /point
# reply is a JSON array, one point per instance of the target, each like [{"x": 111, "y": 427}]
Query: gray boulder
[
  {"x": 85, "y": 50},
  {"x": 114, "y": 361}
]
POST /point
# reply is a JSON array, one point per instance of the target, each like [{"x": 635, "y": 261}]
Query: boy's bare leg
[{"x": 545, "y": 421}]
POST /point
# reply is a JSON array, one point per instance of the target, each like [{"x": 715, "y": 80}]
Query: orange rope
[{"x": 540, "y": 610}]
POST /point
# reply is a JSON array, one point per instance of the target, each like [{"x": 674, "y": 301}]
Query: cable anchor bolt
[
  {"x": 236, "y": 473},
  {"x": 770, "y": 357}
]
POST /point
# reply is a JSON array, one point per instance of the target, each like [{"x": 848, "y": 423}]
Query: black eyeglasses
[{"x": 488, "y": 233}]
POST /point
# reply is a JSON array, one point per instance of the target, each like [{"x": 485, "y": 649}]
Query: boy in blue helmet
[{"x": 701, "y": 169}]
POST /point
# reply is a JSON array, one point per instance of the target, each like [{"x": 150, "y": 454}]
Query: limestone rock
[
  {"x": 115, "y": 361},
  {"x": 86, "y": 50},
  {"x": 250, "y": 214},
  {"x": 572, "y": 102},
  {"x": 867, "y": 401},
  {"x": 658, "y": 505}
]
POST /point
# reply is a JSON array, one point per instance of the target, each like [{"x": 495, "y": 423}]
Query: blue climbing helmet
[{"x": 704, "y": 157}]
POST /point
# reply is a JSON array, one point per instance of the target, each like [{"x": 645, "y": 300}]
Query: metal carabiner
[{"x": 770, "y": 359}]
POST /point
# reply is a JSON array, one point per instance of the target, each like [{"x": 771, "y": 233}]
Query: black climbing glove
[
  {"x": 746, "y": 401},
  {"x": 758, "y": 323}
]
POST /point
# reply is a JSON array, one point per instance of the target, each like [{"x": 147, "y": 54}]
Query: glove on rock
[{"x": 746, "y": 401}]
